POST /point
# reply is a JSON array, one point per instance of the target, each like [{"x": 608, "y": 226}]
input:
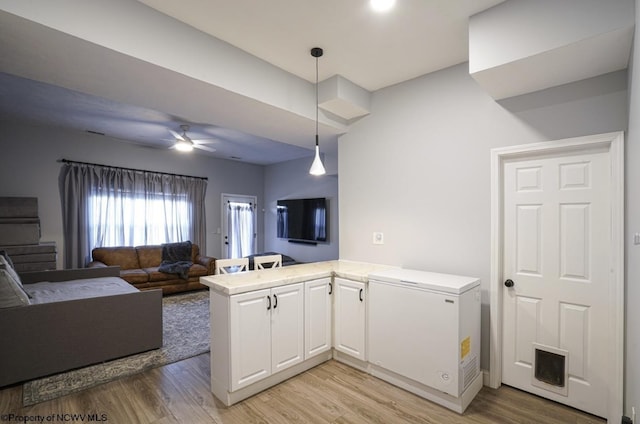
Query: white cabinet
[
  {"x": 287, "y": 326},
  {"x": 350, "y": 317},
  {"x": 250, "y": 322},
  {"x": 266, "y": 333},
  {"x": 318, "y": 316}
]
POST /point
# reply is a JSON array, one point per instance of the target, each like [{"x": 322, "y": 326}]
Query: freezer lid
[{"x": 448, "y": 283}]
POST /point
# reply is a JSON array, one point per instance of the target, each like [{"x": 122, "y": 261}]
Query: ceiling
[{"x": 370, "y": 49}]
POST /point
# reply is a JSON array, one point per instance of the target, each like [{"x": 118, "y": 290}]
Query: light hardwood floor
[{"x": 329, "y": 393}]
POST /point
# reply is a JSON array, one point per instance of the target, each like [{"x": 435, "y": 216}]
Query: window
[
  {"x": 134, "y": 219},
  {"x": 106, "y": 206}
]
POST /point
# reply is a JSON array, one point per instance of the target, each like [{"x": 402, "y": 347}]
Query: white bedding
[{"x": 47, "y": 292}]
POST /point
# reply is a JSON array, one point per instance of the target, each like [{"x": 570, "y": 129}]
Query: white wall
[
  {"x": 291, "y": 180},
  {"x": 632, "y": 225},
  {"x": 29, "y": 167},
  {"x": 418, "y": 167},
  {"x": 517, "y": 29}
]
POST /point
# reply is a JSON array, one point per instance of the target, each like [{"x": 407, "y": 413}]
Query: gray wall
[
  {"x": 632, "y": 225},
  {"x": 291, "y": 180},
  {"x": 29, "y": 167},
  {"x": 418, "y": 167}
]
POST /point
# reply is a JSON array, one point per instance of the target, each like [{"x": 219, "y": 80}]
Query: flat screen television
[{"x": 302, "y": 220}]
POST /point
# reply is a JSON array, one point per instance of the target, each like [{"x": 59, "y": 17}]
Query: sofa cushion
[
  {"x": 155, "y": 275},
  {"x": 134, "y": 276},
  {"x": 11, "y": 291},
  {"x": 196, "y": 270},
  {"x": 124, "y": 257},
  {"x": 6, "y": 257},
  {"x": 149, "y": 256}
]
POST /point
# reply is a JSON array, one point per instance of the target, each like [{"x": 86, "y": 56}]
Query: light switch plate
[
  {"x": 636, "y": 238},
  {"x": 378, "y": 238}
]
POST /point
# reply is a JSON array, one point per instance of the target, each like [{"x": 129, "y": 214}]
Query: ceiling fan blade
[
  {"x": 176, "y": 135},
  {"x": 201, "y": 147},
  {"x": 205, "y": 141}
]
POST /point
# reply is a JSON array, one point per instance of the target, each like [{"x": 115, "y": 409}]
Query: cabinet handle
[
  {"x": 330, "y": 288},
  {"x": 269, "y": 305},
  {"x": 275, "y": 301},
  {"x": 360, "y": 295}
]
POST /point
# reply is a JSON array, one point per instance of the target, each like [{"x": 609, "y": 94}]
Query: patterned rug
[{"x": 185, "y": 334}]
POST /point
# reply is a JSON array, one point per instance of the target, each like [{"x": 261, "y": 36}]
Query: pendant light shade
[{"x": 317, "y": 168}]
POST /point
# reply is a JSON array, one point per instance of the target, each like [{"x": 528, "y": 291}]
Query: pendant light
[{"x": 317, "y": 168}]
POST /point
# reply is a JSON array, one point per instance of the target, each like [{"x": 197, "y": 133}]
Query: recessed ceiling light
[{"x": 382, "y": 5}]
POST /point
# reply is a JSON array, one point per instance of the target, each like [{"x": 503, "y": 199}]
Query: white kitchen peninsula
[{"x": 269, "y": 325}]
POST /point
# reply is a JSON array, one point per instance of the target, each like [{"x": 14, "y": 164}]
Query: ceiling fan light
[
  {"x": 317, "y": 168},
  {"x": 382, "y": 5},
  {"x": 184, "y": 146}
]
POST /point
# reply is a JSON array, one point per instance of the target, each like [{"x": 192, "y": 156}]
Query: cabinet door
[
  {"x": 350, "y": 317},
  {"x": 317, "y": 316},
  {"x": 287, "y": 326},
  {"x": 250, "y": 328}
]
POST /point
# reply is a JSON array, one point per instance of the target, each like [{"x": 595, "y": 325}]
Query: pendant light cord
[{"x": 316, "y": 101}]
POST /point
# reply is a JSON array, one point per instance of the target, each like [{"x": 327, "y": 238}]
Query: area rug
[{"x": 185, "y": 334}]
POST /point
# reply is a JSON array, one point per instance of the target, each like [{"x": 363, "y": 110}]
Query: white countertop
[{"x": 242, "y": 282}]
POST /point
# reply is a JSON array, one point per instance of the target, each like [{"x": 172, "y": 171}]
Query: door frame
[
  {"x": 614, "y": 143},
  {"x": 223, "y": 225}
]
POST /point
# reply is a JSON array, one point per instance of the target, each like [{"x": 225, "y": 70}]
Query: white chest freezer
[{"x": 424, "y": 331}]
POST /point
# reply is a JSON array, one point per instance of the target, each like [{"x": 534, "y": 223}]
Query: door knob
[{"x": 509, "y": 283}]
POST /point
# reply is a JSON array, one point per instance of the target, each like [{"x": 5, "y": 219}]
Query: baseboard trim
[{"x": 485, "y": 378}]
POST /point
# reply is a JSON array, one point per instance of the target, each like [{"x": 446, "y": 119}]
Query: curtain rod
[{"x": 130, "y": 169}]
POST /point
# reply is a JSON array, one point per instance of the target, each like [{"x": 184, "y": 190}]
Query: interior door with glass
[{"x": 239, "y": 225}]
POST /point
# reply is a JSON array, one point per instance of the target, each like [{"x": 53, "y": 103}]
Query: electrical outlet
[{"x": 378, "y": 238}]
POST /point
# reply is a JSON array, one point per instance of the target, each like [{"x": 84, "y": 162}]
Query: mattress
[{"x": 47, "y": 292}]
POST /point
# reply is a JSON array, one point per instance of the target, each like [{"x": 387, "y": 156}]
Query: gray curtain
[{"x": 108, "y": 206}]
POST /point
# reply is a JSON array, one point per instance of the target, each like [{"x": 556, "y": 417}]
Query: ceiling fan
[{"x": 184, "y": 143}]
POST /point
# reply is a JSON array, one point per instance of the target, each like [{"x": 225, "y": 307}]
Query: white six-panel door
[{"x": 557, "y": 238}]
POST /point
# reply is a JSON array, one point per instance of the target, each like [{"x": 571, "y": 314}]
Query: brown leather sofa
[{"x": 139, "y": 266}]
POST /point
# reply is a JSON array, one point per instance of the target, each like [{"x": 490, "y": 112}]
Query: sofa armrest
[
  {"x": 208, "y": 262},
  {"x": 49, "y": 338},
  {"x": 69, "y": 274}
]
